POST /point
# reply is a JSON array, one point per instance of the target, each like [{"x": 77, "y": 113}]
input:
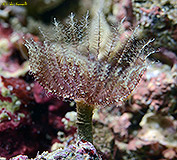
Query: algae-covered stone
[{"x": 158, "y": 18}]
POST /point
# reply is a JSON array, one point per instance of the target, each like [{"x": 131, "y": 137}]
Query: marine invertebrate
[{"x": 88, "y": 63}]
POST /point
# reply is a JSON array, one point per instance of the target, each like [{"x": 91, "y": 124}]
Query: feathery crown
[{"x": 85, "y": 60}]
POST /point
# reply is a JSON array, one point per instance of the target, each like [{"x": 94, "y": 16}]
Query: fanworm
[{"x": 86, "y": 60}]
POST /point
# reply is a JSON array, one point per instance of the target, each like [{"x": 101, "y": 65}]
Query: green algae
[{"x": 9, "y": 106}]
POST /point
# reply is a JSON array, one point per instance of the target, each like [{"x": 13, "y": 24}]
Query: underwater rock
[
  {"x": 157, "y": 89},
  {"x": 159, "y": 128},
  {"x": 158, "y": 19},
  {"x": 82, "y": 150}
]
